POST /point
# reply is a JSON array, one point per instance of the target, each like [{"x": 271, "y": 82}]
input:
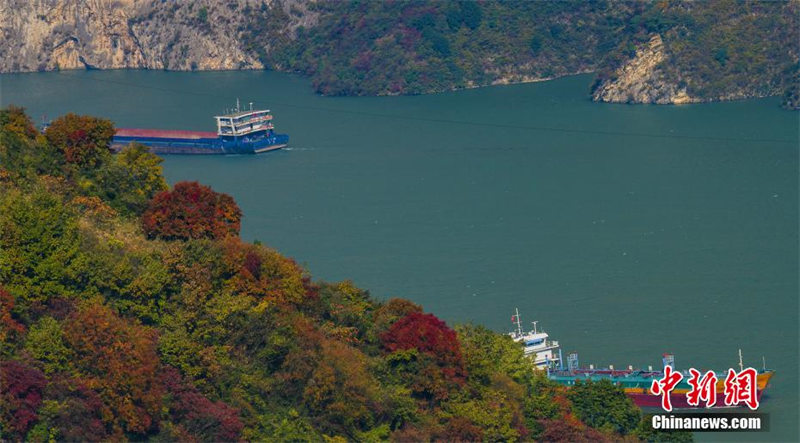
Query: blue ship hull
[{"x": 207, "y": 145}]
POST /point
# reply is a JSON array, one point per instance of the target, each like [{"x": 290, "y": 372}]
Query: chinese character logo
[
  {"x": 665, "y": 385},
  {"x": 704, "y": 388},
  {"x": 742, "y": 388}
]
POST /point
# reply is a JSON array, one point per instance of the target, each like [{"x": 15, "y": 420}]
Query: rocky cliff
[
  {"x": 44, "y": 35},
  {"x": 646, "y": 52},
  {"x": 642, "y": 79},
  {"x": 710, "y": 51}
]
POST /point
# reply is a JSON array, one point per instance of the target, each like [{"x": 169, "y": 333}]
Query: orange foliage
[
  {"x": 81, "y": 138},
  {"x": 567, "y": 430},
  {"x": 8, "y": 326},
  {"x": 341, "y": 390},
  {"x": 191, "y": 210},
  {"x": 265, "y": 274},
  {"x": 299, "y": 362},
  {"x": 14, "y": 120},
  {"x": 94, "y": 207},
  {"x": 117, "y": 358},
  {"x": 459, "y": 429}
]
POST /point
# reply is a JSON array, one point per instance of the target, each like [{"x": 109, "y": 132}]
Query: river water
[{"x": 625, "y": 230}]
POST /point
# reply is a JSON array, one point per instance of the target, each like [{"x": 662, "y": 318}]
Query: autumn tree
[
  {"x": 572, "y": 431},
  {"x": 20, "y": 396},
  {"x": 14, "y": 120},
  {"x": 191, "y": 210},
  {"x": 428, "y": 352},
  {"x": 388, "y": 312},
  {"x": 341, "y": 393},
  {"x": 9, "y": 326},
  {"x": 201, "y": 418},
  {"x": 263, "y": 273},
  {"x": 428, "y": 334},
  {"x": 83, "y": 140},
  {"x": 72, "y": 412},
  {"x": 118, "y": 359}
]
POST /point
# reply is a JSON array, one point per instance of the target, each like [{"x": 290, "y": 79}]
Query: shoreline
[{"x": 504, "y": 81}]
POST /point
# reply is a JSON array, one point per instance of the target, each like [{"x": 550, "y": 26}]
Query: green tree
[
  {"x": 40, "y": 250},
  {"x": 45, "y": 342},
  {"x": 645, "y": 432},
  {"x": 604, "y": 405},
  {"x": 14, "y": 120},
  {"x": 471, "y": 14},
  {"x": 130, "y": 179}
]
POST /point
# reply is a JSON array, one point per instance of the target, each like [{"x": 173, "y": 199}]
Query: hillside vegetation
[
  {"x": 712, "y": 50},
  {"x": 133, "y": 311},
  {"x": 706, "y": 51}
]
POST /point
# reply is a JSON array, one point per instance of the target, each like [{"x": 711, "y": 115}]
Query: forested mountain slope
[{"x": 644, "y": 52}]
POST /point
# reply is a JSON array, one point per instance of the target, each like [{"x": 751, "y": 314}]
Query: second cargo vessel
[{"x": 636, "y": 383}]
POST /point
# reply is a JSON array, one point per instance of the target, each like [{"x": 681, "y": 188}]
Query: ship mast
[
  {"x": 741, "y": 366},
  {"x": 519, "y": 322}
]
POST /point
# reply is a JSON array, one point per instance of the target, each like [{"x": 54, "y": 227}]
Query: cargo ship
[
  {"x": 238, "y": 132},
  {"x": 635, "y": 382}
]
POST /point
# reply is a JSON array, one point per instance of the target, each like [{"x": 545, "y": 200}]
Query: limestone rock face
[
  {"x": 43, "y": 35},
  {"x": 642, "y": 80}
]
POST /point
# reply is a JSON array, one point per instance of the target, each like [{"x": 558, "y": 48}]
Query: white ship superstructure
[{"x": 544, "y": 352}]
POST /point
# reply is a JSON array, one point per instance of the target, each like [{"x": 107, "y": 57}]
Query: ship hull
[
  {"x": 195, "y": 142},
  {"x": 678, "y": 401},
  {"x": 636, "y": 385}
]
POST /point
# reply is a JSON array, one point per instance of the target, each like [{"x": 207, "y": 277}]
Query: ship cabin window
[{"x": 534, "y": 342}]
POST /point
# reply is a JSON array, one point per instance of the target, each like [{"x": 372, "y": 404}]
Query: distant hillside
[
  {"x": 703, "y": 51},
  {"x": 643, "y": 52}
]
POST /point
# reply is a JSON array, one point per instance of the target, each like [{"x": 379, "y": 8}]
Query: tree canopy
[{"x": 191, "y": 210}]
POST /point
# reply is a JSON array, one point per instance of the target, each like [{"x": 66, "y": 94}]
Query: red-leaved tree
[
  {"x": 200, "y": 417},
  {"x": 20, "y": 396},
  {"x": 80, "y": 414},
  {"x": 82, "y": 139},
  {"x": 8, "y": 325},
  {"x": 118, "y": 359},
  {"x": 191, "y": 210},
  {"x": 429, "y": 335}
]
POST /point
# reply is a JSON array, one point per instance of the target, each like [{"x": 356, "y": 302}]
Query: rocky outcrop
[
  {"x": 642, "y": 79},
  {"x": 43, "y": 35}
]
